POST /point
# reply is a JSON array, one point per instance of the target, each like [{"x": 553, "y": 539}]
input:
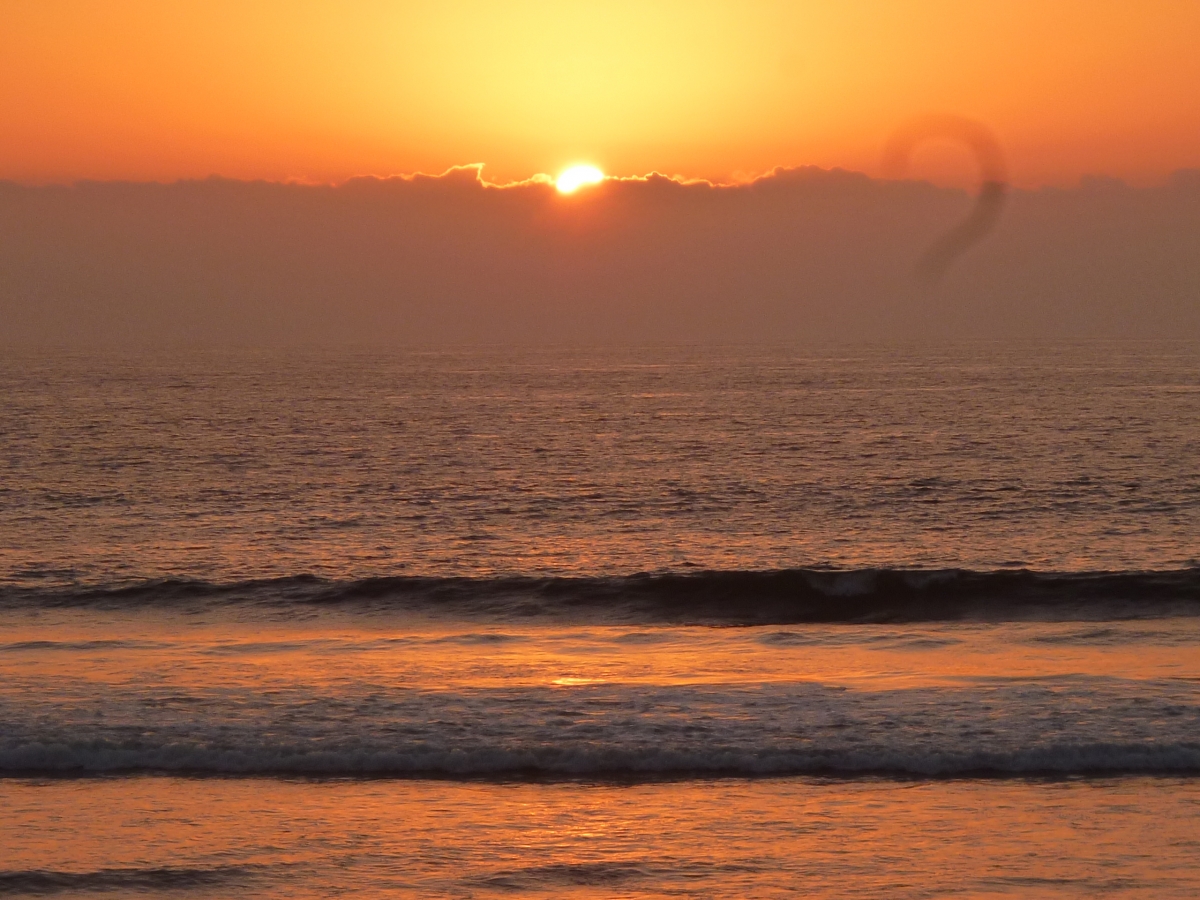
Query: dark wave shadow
[{"x": 45, "y": 882}]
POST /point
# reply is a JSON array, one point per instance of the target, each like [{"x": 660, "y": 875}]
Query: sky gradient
[{"x": 143, "y": 90}]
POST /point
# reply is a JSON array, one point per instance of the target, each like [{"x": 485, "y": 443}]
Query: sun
[{"x": 576, "y": 177}]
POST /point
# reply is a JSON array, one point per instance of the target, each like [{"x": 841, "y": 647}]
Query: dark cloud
[{"x": 801, "y": 254}]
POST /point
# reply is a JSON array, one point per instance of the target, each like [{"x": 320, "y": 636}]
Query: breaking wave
[{"x": 786, "y": 596}]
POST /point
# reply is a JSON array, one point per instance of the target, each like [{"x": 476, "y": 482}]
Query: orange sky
[{"x": 142, "y": 89}]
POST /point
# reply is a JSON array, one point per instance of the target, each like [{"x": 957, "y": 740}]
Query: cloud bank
[{"x": 798, "y": 255}]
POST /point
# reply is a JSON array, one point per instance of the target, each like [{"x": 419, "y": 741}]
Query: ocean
[{"x": 663, "y": 622}]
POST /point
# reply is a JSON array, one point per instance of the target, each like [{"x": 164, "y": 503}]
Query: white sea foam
[
  {"x": 95, "y": 757},
  {"x": 1066, "y": 726}
]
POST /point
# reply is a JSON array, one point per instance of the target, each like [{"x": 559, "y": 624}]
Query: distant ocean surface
[{"x": 704, "y": 622}]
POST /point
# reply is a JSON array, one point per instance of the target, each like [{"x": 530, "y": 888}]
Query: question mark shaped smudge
[{"x": 993, "y": 187}]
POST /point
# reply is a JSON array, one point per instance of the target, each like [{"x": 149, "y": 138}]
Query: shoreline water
[
  {"x": 1130, "y": 838},
  {"x": 719, "y": 625}
]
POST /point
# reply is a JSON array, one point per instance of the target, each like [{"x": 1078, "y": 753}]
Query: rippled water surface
[
  {"x": 657, "y": 623},
  {"x": 352, "y": 464}
]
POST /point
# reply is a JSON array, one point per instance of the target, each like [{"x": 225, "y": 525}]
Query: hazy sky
[
  {"x": 279, "y": 89},
  {"x": 802, "y": 255}
]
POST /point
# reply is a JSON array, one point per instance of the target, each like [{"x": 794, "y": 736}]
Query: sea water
[{"x": 903, "y": 622}]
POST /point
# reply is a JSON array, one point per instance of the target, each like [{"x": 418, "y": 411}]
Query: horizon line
[{"x": 475, "y": 171}]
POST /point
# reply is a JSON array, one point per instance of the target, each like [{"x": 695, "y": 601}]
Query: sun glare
[{"x": 576, "y": 177}]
